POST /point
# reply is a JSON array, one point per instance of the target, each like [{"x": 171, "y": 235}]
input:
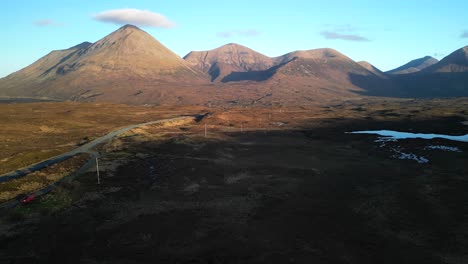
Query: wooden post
[
  {"x": 242, "y": 128},
  {"x": 97, "y": 171},
  {"x": 205, "y": 130}
]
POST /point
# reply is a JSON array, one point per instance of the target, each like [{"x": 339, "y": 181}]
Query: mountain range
[{"x": 130, "y": 66}]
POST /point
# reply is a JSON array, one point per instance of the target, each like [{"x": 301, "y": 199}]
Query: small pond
[
  {"x": 404, "y": 135},
  {"x": 388, "y": 139}
]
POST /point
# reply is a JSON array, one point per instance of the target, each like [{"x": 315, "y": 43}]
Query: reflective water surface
[{"x": 404, "y": 135}]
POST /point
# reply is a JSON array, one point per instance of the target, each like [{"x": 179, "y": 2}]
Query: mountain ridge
[
  {"x": 414, "y": 65},
  {"x": 456, "y": 61},
  {"x": 232, "y": 57},
  {"x": 130, "y": 66}
]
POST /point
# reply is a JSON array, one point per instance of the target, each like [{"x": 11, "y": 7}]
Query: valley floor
[{"x": 263, "y": 186}]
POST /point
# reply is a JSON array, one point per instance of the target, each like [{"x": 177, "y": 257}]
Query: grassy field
[
  {"x": 32, "y": 132},
  {"x": 41, "y": 178},
  {"x": 262, "y": 185}
]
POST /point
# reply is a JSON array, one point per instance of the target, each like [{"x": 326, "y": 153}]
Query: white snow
[{"x": 444, "y": 148}]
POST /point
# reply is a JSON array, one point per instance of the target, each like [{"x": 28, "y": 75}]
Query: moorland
[{"x": 263, "y": 184}]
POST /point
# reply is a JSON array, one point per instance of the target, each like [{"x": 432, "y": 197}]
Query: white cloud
[
  {"x": 135, "y": 17},
  {"x": 348, "y": 37},
  {"x": 464, "y": 34},
  {"x": 344, "y": 32},
  {"x": 240, "y": 33},
  {"x": 47, "y": 23},
  {"x": 225, "y": 34}
]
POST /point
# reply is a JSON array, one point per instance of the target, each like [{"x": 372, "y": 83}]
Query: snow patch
[
  {"x": 410, "y": 156},
  {"x": 444, "y": 148}
]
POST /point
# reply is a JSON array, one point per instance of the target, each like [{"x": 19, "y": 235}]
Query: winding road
[{"x": 86, "y": 148}]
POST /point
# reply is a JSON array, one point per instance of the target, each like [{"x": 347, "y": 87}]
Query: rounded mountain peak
[
  {"x": 316, "y": 54},
  {"x": 130, "y": 26},
  {"x": 234, "y": 47},
  {"x": 235, "y": 55},
  {"x": 228, "y": 59}
]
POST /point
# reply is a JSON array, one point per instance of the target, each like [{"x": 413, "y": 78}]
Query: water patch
[
  {"x": 405, "y": 135},
  {"x": 389, "y": 138}
]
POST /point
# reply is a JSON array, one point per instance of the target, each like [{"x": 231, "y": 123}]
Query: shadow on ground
[{"x": 311, "y": 196}]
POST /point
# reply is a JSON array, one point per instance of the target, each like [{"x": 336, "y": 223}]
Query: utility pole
[
  {"x": 205, "y": 130},
  {"x": 97, "y": 171}
]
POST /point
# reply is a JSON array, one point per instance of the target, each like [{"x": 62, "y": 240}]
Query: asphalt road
[{"x": 86, "y": 148}]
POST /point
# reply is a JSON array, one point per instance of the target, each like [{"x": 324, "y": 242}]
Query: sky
[{"x": 387, "y": 34}]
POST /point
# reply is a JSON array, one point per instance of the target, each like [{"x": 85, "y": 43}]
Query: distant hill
[
  {"x": 294, "y": 78},
  {"x": 457, "y": 61},
  {"x": 325, "y": 64},
  {"x": 446, "y": 78},
  {"x": 319, "y": 75},
  {"x": 221, "y": 62},
  {"x": 414, "y": 65}
]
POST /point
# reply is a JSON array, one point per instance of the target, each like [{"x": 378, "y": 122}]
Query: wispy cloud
[
  {"x": 464, "y": 34},
  {"x": 239, "y": 33},
  {"x": 135, "y": 17},
  {"x": 341, "y": 28},
  {"x": 348, "y": 37},
  {"x": 342, "y": 31},
  {"x": 437, "y": 54},
  {"x": 47, "y": 23}
]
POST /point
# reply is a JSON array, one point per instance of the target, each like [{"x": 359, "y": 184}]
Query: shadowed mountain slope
[
  {"x": 221, "y": 62},
  {"x": 414, "y": 65},
  {"x": 372, "y": 69},
  {"x": 457, "y": 61},
  {"x": 319, "y": 75},
  {"x": 446, "y": 78}
]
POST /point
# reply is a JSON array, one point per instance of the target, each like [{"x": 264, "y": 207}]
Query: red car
[{"x": 25, "y": 198}]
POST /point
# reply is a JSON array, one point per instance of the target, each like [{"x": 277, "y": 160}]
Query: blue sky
[{"x": 385, "y": 33}]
